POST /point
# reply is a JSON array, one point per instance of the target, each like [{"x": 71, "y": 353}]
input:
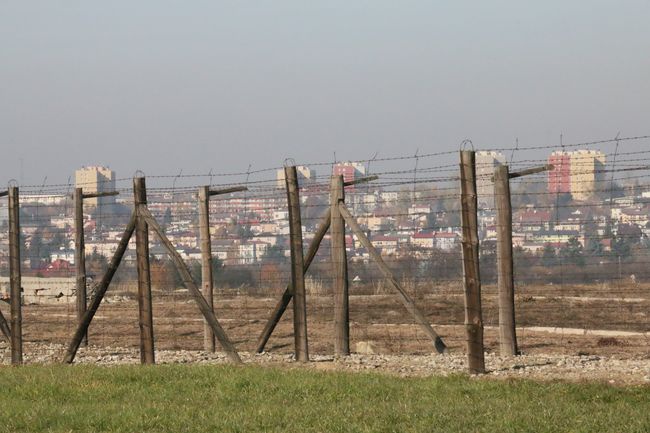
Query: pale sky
[{"x": 162, "y": 86}]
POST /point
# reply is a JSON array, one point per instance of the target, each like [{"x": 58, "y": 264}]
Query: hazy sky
[{"x": 197, "y": 85}]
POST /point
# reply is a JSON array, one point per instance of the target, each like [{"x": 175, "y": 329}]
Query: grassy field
[{"x": 177, "y": 398}]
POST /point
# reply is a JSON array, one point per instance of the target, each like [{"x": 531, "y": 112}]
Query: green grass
[{"x": 176, "y": 398}]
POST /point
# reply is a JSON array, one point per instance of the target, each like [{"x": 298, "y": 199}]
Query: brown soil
[{"x": 378, "y": 318}]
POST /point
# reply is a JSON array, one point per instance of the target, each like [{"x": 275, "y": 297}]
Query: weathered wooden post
[
  {"x": 80, "y": 251},
  {"x": 505, "y": 277},
  {"x": 297, "y": 266},
  {"x": 207, "y": 279},
  {"x": 471, "y": 273},
  {"x": 82, "y": 328},
  {"x": 4, "y": 326},
  {"x": 340, "y": 270},
  {"x": 144, "y": 274},
  {"x": 287, "y": 296},
  {"x": 206, "y": 263},
  {"x": 15, "y": 279},
  {"x": 80, "y": 256},
  {"x": 193, "y": 288}
]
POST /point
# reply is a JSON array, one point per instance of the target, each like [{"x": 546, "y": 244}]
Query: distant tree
[
  {"x": 572, "y": 252},
  {"x": 527, "y": 192},
  {"x": 56, "y": 241},
  {"x": 548, "y": 256},
  {"x": 645, "y": 241},
  {"x": 630, "y": 231},
  {"x": 274, "y": 253},
  {"x": 244, "y": 232},
  {"x": 313, "y": 208},
  {"x": 596, "y": 248},
  {"x": 96, "y": 264},
  {"x": 522, "y": 259},
  {"x": 39, "y": 250},
  {"x": 563, "y": 199},
  {"x": 621, "y": 246},
  {"x": 235, "y": 276},
  {"x": 404, "y": 199},
  {"x": 167, "y": 218},
  {"x": 271, "y": 275},
  {"x": 593, "y": 243},
  {"x": 610, "y": 190},
  {"x": 432, "y": 221},
  {"x": 117, "y": 214},
  {"x": 164, "y": 275},
  {"x": 195, "y": 269}
]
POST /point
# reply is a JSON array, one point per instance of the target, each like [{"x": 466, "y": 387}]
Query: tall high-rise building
[
  {"x": 559, "y": 178},
  {"x": 349, "y": 170},
  {"x": 486, "y": 162},
  {"x": 94, "y": 179},
  {"x": 579, "y": 173},
  {"x": 305, "y": 176},
  {"x": 587, "y": 173}
]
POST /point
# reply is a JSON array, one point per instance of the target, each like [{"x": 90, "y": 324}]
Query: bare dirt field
[
  {"x": 552, "y": 319},
  {"x": 572, "y": 329}
]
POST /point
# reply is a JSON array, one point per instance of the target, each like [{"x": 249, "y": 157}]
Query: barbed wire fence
[{"x": 580, "y": 240}]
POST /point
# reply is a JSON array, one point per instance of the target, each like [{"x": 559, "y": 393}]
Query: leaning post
[
  {"x": 297, "y": 266},
  {"x": 471, "y": 273},
  {"x": 506, "y": 284},
  {"x": 206, "y": 263},
  {"x": 80, "y": 257},
  {"x": 505, "y": 277}
]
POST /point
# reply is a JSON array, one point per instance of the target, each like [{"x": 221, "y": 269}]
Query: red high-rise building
[
  {"x": 559, "y": 178},
  {"x": 350, "y": 171}
]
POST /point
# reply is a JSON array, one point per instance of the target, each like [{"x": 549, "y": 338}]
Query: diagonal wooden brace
[
  {"x": 4, "y": 327},
  {"x": 209, "y": 315},
  {"x": 287, "y": 295},
  {"x": 404, "y": 297},
  {"x": 82, "y": 329}
]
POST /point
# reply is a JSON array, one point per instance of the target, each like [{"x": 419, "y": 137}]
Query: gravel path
[{"x": 615, "y": 370}]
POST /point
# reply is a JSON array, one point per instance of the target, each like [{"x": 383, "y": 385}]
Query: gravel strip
[{"x": 609, "y": 369}]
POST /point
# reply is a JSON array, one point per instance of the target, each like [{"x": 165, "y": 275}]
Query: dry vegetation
[{"x": 376, "y": 316}]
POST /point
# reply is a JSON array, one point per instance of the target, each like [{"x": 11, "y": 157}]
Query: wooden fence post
[
  {"x": 14, "y": 275},
  {"x": 283, "y": 303},
  {"x": 96, "y": 300},
  {"x": 206, "y": 263},
  {"x": 297, "y": 266},
  {"x": 4, "y": 325},
  {"x": 193, "y": 288},
  {"x": 471, "y": 273},
  {"x": 147, "y": 355},
  {"x": 80, "y": 257},
  {"x": 505, "y": 279},
  {"x": 340, "y": 270}
]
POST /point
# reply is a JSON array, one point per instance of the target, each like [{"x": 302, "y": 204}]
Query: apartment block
[
  {"x": 94, "y": 179},
  {"x": 486, "y": 162},
  {"x": 579, "y": 173}
]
